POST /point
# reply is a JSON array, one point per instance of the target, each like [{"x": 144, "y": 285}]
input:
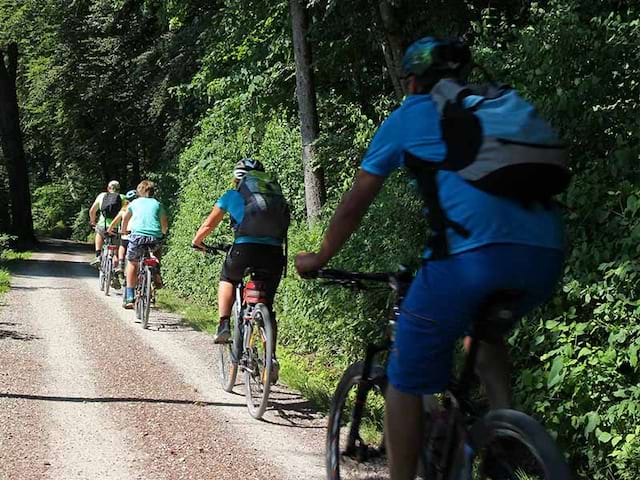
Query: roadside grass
[
  {"x": 5, "y": 281},
  {"x": 312, "y": 376},
  {"x": 6, "y": 258}
]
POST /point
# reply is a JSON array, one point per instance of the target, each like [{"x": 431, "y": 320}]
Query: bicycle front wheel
[
  {"x": 227, "y": 361},
  {"x": 355, "y": 441},
  {"x": 258, "y": 351},
  {"x": 511, "y": 445},
  {"x": 146, "y": 296}
]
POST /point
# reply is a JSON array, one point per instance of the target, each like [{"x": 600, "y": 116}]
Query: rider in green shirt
[{"x": 108, "y": 204}]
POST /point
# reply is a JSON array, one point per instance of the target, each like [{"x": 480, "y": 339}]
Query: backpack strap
[
  {"x": 448, "y": 90},
  {"x": 425, "y": 173}
]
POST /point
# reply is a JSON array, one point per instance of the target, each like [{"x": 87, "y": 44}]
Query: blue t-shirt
[
  {"x": 414, "y": 127},
  {"x": 232, "y": 203}
]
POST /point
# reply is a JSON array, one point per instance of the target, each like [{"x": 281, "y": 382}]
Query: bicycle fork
[{"x": 354, "y": 442}]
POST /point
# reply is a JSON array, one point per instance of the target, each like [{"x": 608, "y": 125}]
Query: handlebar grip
[{"x": 312, "y": 275}]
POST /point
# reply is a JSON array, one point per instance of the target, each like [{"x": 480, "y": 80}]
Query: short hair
[
  {"x": 146, "y": 188},
  {"x": 114, "y": 185}
]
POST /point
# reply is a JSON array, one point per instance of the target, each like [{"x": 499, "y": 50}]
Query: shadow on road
[
  {"x": 293, "y": 409},
  {"x": 12, "y": 334},
  {"x": 162, "y": 322},
  {"x": 51, "y": 268},
  {"x": 52, "y": 245},
  {"x": 167, "y": 401}
]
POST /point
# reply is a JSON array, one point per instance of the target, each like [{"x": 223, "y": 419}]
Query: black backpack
[
  {"x": 111, "y": 205},
  {"x": 266, "y": 211}
]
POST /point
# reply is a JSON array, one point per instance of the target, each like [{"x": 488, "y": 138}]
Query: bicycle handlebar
[
  {"x": 395, "y": 280},
  {"x": 345, "y": 276},
  {"x": 212, "y": 249}
]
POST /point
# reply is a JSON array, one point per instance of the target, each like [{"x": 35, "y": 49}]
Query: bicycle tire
[
  {"x": 138, "y": 294},
  {"x": 146, "y": 295},
  {"x": 227, "y": 367},
  {"x": 257, "y": 372},
  {"x": 101, "y": 274},
  {"x": 107, "y": 274},
  {"x": 514, "y": 426},
  {"x": 371, "y": 461}
]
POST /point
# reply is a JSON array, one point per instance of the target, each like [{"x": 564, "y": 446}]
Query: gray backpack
[
  {"x": 496, "y": 142},
  {"x": 266, "y": 211}
]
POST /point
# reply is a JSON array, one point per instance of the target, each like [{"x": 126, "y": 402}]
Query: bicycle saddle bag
[{"x": 255, "y": 291}]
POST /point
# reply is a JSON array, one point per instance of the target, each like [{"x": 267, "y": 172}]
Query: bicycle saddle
[
  {"x": 497, "y": 315},
  {"x": 257, "y": 273}
]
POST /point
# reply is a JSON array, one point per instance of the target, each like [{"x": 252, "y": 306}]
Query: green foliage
[
  {"x": 80, "y": 228},
  {"x": 54, "y": 209}
]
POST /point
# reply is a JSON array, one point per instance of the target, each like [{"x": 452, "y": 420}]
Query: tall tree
[
  {"x": 11, "y": 136},
  {"x": 314, "y": 187},
  {"x": 392, "y": 45}
]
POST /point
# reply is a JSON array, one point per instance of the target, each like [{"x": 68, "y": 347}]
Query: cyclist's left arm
[
  {"x": 114, "y": 223},
  {"x": 164, "y": 221},
  {"x": 125, "y": 220}
]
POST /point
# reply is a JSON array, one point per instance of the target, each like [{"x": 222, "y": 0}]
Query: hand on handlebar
[
  {"x": 308, "y": 263},
  {"x": 200, "y": 247}
]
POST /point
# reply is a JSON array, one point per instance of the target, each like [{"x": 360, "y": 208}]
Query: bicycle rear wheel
[
  {"x": 101, "y": 270},
  {"x": 355, "y": 441},
  {"x": 227, "y": 362},
  {"x": 146, "y": 296},
  {"x": 258, "y": 349},
  {"x": 108, "y": 268},
  {"x": 511, "y": 445}
]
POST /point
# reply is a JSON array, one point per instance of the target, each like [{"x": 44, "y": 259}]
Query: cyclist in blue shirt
[
  {"x": 263, "y": 252},
  {"x": 505, "y": 245}
]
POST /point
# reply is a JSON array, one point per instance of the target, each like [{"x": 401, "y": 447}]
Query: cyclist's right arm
[
  {"x": 209, "y": 225},
  {"x": 93, "y": 210}
]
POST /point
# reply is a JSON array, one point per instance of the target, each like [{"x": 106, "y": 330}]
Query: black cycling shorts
[{"x": 269, "y": 259}]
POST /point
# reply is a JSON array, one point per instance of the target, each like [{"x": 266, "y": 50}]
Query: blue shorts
[
  {"x": 445, "y": 297},
  {"x": 137, "y": 245}
]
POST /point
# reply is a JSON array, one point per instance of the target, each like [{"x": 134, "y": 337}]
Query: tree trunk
[
  {"x": 12, "y": 147},
  {"x": 314, "y": 189},
  {"x": 392, "y": 45}
]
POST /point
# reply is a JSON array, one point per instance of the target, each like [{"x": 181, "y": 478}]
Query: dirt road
[{"x": 85, "y": 393}]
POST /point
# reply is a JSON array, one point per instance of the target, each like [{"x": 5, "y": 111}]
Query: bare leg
[
  {"x": 121, "y": 254},
  {"x": 403, "y": 428},
  {"x": 132, "y": 274},
  {"x": 225, "y": 299},
  {"x": 99, "y": 241},
  {"x": 493, "y": 367}
]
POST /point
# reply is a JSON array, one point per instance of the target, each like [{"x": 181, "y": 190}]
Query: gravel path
[{"x": 85, "y": 393}]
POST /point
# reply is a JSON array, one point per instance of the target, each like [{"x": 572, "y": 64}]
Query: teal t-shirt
[{"x": 146, "y": 217}]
